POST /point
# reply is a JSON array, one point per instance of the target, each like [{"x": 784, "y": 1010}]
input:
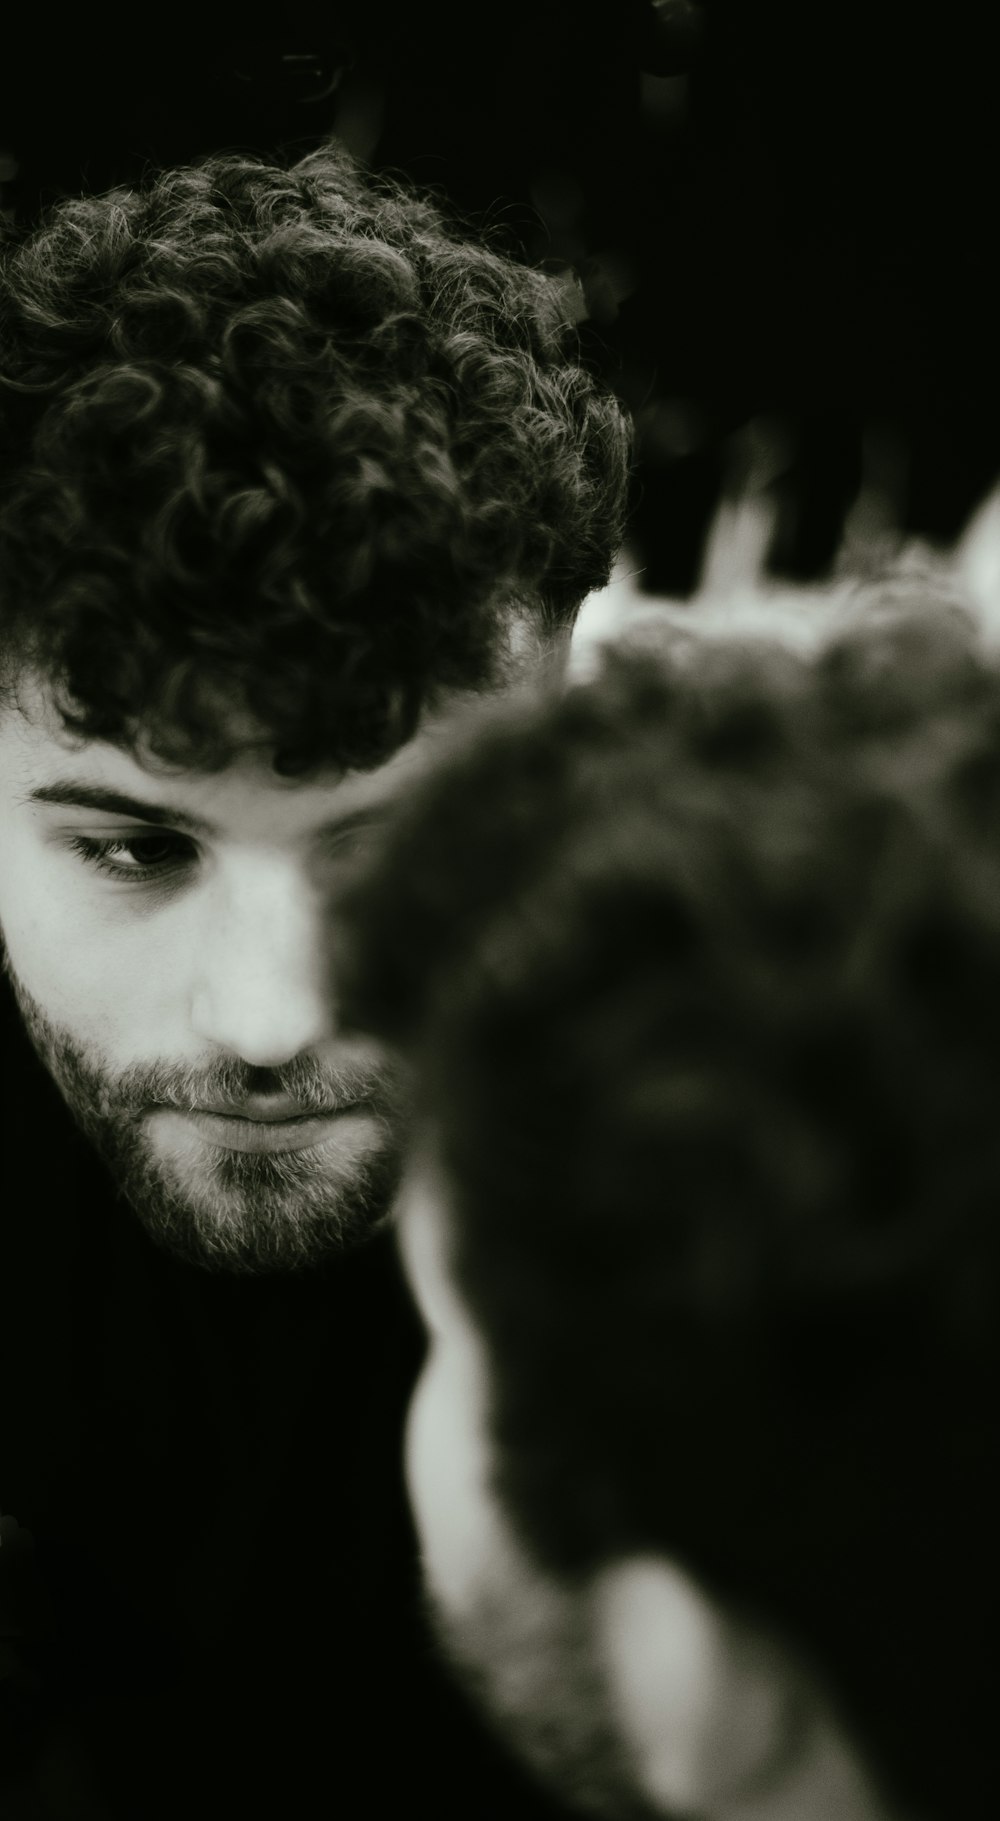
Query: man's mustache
[
  {"x": 231, "y": 1082},
  {"x": 361, "y": 1073}
]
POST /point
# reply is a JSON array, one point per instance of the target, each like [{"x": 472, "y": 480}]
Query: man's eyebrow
[
  {"x": 79, "y": 795},
  {"x": 76, "y": 794}
]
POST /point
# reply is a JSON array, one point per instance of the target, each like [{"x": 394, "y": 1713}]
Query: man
[
  {"x": 290, "y": 466},
  {"x": 701, "y": 1214}
]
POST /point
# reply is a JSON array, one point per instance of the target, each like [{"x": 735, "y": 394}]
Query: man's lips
[
  {"x": 266, "y": 1112},
  {"x": 271, "y": 1126}
]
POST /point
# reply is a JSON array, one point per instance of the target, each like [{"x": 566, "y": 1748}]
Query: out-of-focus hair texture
[
  {"x": 699, "y": 970},
  {"x": 285, "y": 444}
]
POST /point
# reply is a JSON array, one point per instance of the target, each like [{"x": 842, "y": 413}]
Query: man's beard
[
  {"x": 526, "y": 1656},
  {"x": 244, "y": 1212}
]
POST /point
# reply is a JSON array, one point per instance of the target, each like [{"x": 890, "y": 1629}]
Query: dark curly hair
[
  {"x": 286, "y": 444},
  {"x": 699, "y": 970}
]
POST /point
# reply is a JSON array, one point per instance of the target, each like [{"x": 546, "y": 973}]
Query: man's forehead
[{"x": 41, "y": 759}]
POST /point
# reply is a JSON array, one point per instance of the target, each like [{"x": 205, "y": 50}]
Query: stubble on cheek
[{"x": 220, "y": 1209}]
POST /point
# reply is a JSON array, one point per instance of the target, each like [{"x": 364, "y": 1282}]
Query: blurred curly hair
[
  {"x": 699, "y": 969},
  {"x": 286, "y": 444}
]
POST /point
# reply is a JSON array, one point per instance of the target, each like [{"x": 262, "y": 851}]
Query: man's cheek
[
  {"x": 41, "y": 917},
  {"x": 446, "y": 1476},
  {"x": 37, "y": 945},
  {"x": 419, "y": 1454},
  {"x": 79, "y": 979}
]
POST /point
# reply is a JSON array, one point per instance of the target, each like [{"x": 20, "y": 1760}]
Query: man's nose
[{"x": 261, "y": 984}]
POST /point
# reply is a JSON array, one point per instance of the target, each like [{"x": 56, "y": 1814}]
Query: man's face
[
  {"x": 523, "y": 1642},
  {"x": 166, "y": 936}
]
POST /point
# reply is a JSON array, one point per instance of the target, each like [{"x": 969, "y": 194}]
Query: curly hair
[
  {"x": 286, "y": 444},
  {"x": 699, "y": 969}
]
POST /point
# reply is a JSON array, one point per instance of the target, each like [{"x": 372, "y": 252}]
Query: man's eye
[
  {"x": 133, "y": 857},
  {"x": 349, "y": 844}
]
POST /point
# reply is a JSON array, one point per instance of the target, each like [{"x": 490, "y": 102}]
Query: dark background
[{"x": 783, "y": 215}]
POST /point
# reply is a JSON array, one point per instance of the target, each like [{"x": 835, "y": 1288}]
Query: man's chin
[
  {"x": 524, "y": 1656},
  {"x": 254, "y": 1213},
  {"x": 280, "y": 1204}
]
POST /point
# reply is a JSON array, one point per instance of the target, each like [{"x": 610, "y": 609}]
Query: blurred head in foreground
[
  {"x": 289, "y": 462},
  {"x": 698, "y": 973}
]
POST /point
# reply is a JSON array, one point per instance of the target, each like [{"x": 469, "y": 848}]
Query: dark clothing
[{"x": 208, "y": 1590}]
